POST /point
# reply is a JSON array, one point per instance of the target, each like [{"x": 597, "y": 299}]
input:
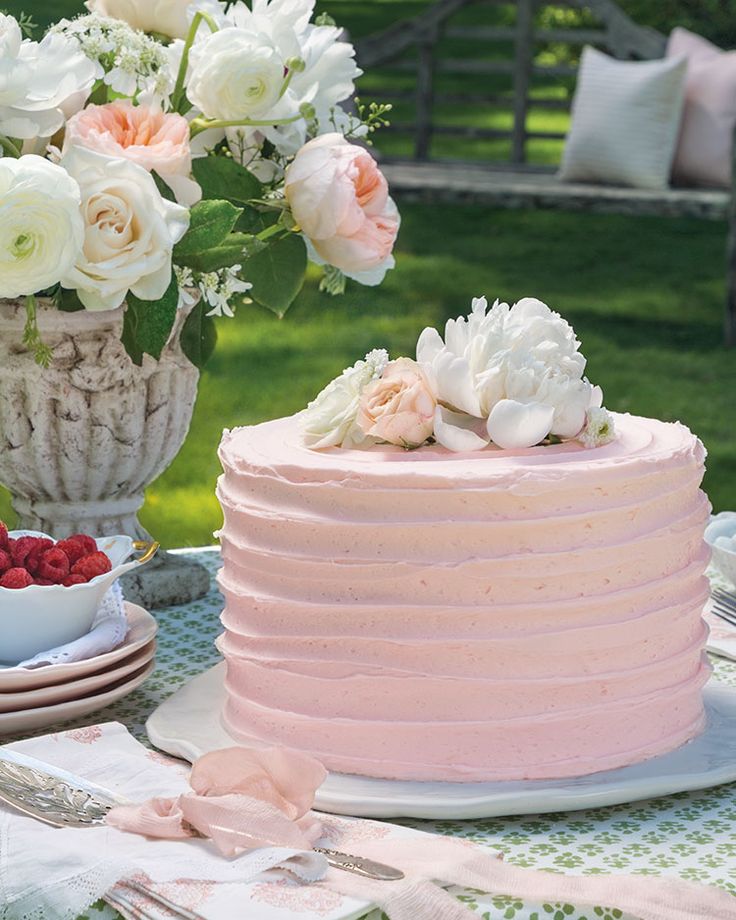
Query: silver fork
[
  {"x": 724, "y": 605},
  {"x": 136, "y": 910}
]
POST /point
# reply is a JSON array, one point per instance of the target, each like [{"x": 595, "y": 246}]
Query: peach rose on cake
[
  {"x": 399, "y": 407},
  {"x": 339, "y": 198},
  {"x": 140, "y": 133}
]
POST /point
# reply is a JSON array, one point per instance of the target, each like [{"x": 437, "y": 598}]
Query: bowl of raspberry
[{"x": 51, "y": 590}]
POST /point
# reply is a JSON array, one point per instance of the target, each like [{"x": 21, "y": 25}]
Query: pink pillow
[{"x": 703, "y": 155}]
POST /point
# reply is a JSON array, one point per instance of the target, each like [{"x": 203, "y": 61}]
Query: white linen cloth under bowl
[
  {"x": 109, "y": 628},
  {"x": 720, "y": 535},
  {"x": 38, "y": 618}
]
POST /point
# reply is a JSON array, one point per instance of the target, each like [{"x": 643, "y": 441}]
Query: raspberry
[
  {"x": 74, "y": 548},
  {"x": 33, "y": 558},
  {"x": 4, "y": 538},
  {"x": 44, "y": 582},
  {"x": 16, "y": 578},
  {"x": 74, "y": 580},
  {"x": 89, "y": 543},
  {"x": 6, "y": 561},
  {"x": 21, "y": 548},
  {"x": 54, "y": 565},
  {"x": 92, "y": 565}
]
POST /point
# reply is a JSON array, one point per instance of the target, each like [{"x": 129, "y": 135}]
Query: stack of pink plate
[{"x": 38, "y": 697}]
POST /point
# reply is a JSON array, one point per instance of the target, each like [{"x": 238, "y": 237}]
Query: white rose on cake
[
  {"x": 41, "y": 227},
  {"x": 129, "y": 231},
  {"x": 511, "y": 375},
  {"x": 330, "y": 420}
]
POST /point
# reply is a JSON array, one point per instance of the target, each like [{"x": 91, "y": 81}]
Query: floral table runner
[{"x": 692, "y": 835}]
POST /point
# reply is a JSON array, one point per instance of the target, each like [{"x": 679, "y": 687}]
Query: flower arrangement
[
  {"x": 161, "y": 153},
  {"x": 511, "y": 376}
]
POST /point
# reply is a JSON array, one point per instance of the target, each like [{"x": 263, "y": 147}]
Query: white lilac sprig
[
  {"x": 217, "y": 288},
  {"x": 129, "y": 62}
]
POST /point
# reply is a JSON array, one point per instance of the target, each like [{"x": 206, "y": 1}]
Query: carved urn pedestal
[{"x": 81, "y": 439}]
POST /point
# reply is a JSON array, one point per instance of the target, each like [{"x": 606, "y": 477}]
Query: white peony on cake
[{"x": 465, "y": 614}]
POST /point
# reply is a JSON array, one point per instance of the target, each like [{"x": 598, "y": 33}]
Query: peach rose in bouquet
[
  {"x": 144, "y": 134},
  {"x": 339, "y": 197},
  {"x": 399, "y": 406}
]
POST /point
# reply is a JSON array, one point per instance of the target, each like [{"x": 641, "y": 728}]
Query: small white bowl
[
  {"x": 41, "y": 617},
  {"x": 724, "y": 560}
]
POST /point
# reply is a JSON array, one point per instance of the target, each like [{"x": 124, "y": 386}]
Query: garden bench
[{"x": 414, "y": 48}]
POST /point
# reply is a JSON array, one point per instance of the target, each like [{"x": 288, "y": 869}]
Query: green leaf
[
  {"x": 211, "y": 222},
  {"x": 238, "y": 248},
  {"x": 222, "y": 177},
  {"x": 277, "y": 273},
  {"x": 68, "y": 301},
  {"x": 162, "y": 187},
  {"x": 199, "y": 336},
  {"x": 253, "y": 221},
  {"x": 147, "y": 324}
]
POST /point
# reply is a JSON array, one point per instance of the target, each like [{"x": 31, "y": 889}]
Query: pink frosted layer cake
[{"x": 497, "y": 615}]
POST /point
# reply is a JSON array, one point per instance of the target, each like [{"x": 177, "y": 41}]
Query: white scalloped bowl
[
  {"x": 724, "y": 560},
  {"x": 41, "y": 617}
]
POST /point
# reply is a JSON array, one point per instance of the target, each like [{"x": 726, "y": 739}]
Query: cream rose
[
  {"x": 169, "y": 17},
  {"x": 339, "y": 198},
  {"x": 142, "y": 134},
  {"x": 41, "y": 228},
  {"x": 130, "y": 231},
  {"x": 399, "y": 406}
]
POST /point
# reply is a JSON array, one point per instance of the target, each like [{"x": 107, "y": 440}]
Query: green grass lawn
[{"x": 645, "y": 296}]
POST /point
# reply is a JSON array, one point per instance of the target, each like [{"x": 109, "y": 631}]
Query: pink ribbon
[
  {"x": 241, "y": 800},
  {"x": 245, "y": 799},
  {"x": 453, "y": 861}
]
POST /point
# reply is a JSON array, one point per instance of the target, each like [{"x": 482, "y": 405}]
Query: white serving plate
[
  {"x": 188, "y": 725},
  {"x": 141, "y": 629},
  {"x": 41, "y": 617},
  {"x": 74, "y": 689},
  {"x": 42, "y": 716}
]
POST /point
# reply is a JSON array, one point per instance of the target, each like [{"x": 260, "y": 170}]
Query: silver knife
[{"x": 61, "y": 799}]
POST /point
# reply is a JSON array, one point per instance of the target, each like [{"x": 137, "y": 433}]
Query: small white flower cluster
[
  {"x": 512, "y": 376},
  {"x": 128, "y": 61},
  {"x": 216, "y": 288}
]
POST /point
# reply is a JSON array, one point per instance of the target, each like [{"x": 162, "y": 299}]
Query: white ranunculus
[
  {"x": 517, "y": 367},
  {"x": 41, "y": 228},
  {"x": 330, "y": 419},
  {"x": 169, "y": 17},
  {"x": 329, "y": 73},
  {"x": 41, "y": 84},
  {"x": 238, "y": 75},
  {"x": 130, "y": 231}
]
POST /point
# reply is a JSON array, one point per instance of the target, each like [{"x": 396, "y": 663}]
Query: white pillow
[{"x": 625, "y": 120}]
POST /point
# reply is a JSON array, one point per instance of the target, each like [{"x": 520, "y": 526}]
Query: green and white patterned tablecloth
[{"x": 692, "y": 835}]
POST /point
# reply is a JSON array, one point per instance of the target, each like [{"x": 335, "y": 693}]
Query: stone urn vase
[{"x": 81, "y": 439}]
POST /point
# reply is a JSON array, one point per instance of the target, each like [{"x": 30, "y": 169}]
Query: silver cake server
[{"x": 61, "y": 799}]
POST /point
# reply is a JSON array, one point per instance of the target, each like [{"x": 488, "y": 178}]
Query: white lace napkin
[
  {"x": 57, "y": 873},
  {"x": 108, "y": 630}
]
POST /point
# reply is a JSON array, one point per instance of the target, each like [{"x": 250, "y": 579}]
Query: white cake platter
[{"x": 188, "y": 725}]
